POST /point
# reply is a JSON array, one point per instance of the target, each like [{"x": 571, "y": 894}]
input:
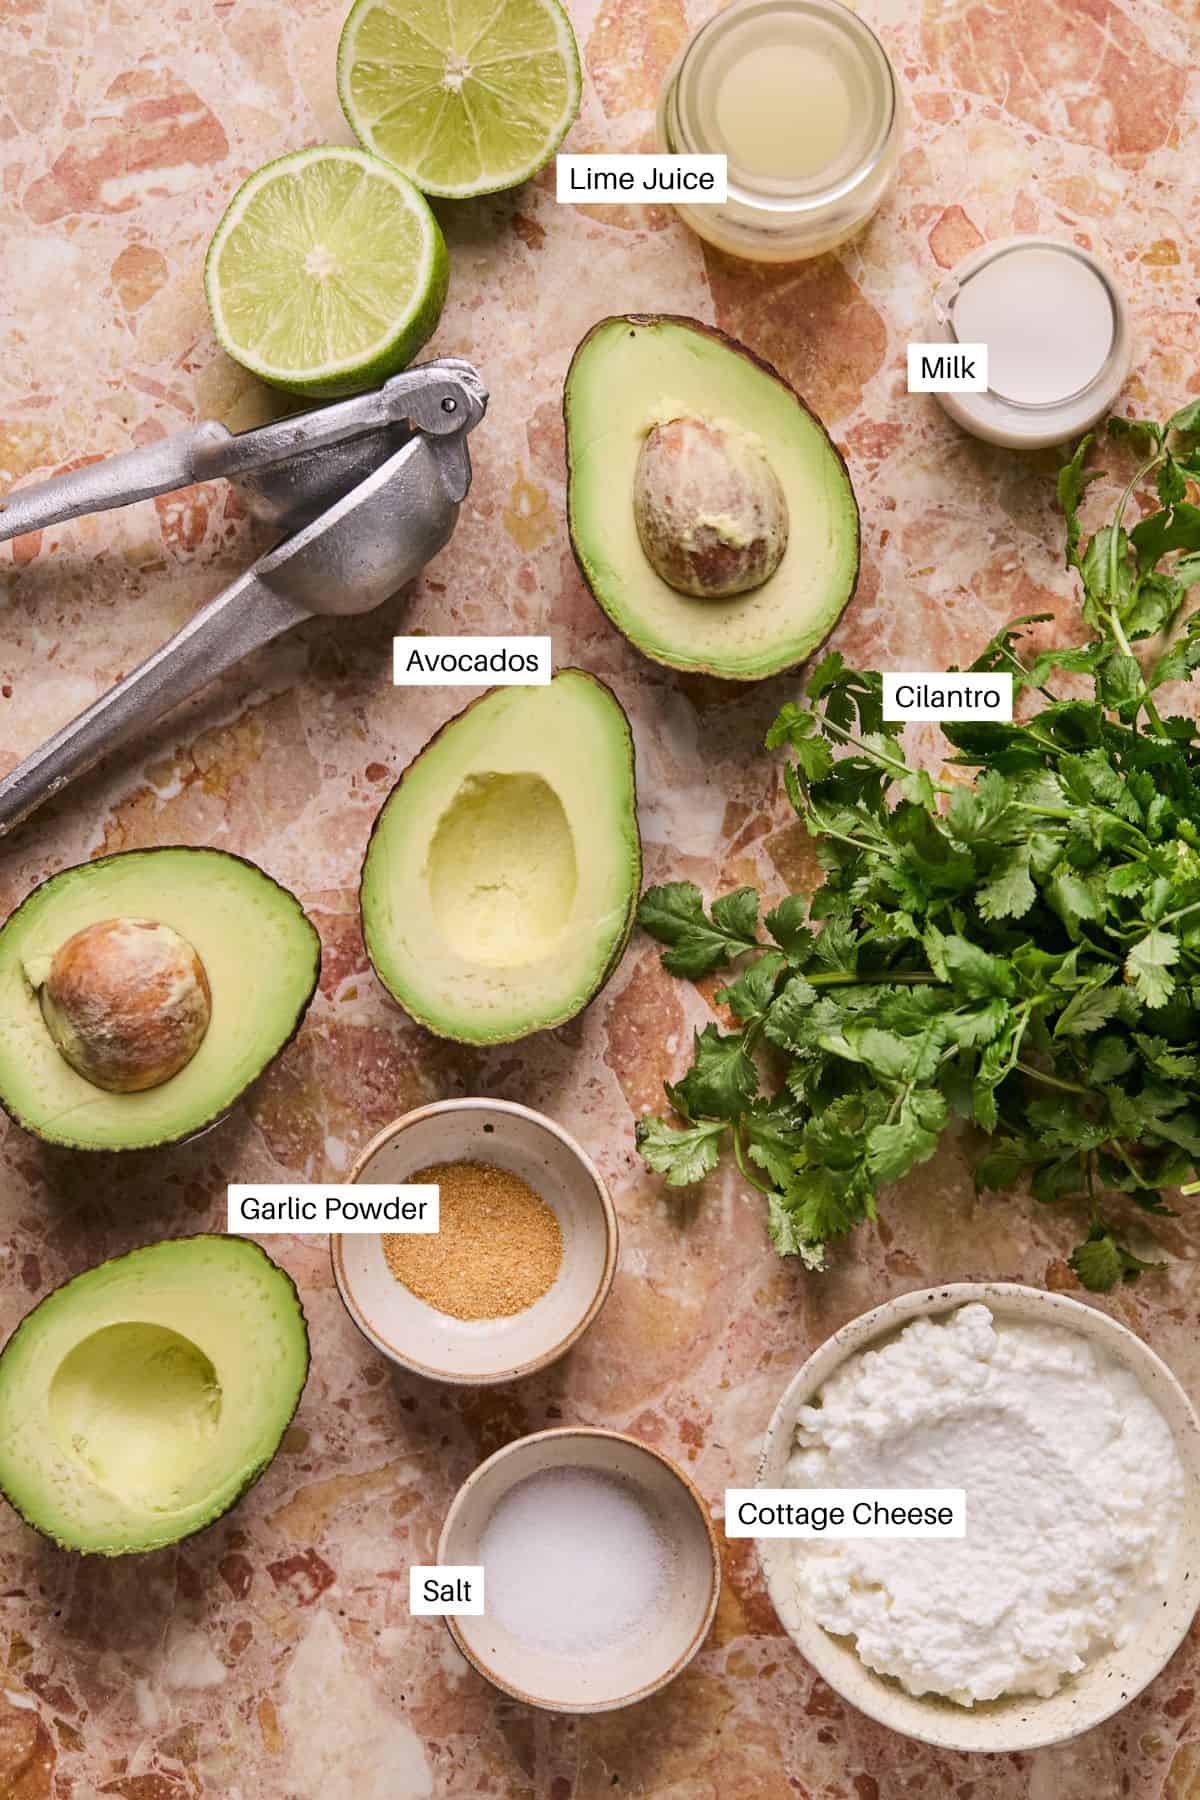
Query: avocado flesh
[
  {"x": 501, "y": 878},
  {"x": 631, "y": 374},
  {"x": 260, "y": 953},
  {"x": 140, "y": 1400}
]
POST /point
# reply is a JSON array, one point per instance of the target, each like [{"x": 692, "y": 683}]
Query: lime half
[
  {"x": 466, "y": 96},
  {"x": 327, "y": 273}
]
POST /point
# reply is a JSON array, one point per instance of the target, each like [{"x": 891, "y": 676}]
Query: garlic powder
[{"x": 1074, "y": 1505}]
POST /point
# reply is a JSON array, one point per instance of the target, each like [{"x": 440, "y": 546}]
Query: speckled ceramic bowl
[
  {"x": 599, "y": 1680},
  {"x": 1023, "y": 1722},
  {"x": 477, "y": 1351}
]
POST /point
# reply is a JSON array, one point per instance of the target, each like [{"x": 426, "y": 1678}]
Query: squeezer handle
[
  {"x": 112, "y": 481},
  {"x": 244, "y": 617}
]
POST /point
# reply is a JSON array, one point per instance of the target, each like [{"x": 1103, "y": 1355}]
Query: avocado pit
[
  {"x": 710, "y": 512},
  {"x": 127, "y": 1003}
]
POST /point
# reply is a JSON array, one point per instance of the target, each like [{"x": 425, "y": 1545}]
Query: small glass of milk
[
  {"x": 799, "y": 95},
  {"x": 1057, "y": 333}
]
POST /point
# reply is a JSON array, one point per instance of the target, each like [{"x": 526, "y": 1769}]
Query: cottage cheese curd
[{"x": 1074, "y": 1505}]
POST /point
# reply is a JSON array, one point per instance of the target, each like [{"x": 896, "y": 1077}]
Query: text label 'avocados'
[
  {"x": 367, "y": 1206},
  {"x": 472, "y": 661}
]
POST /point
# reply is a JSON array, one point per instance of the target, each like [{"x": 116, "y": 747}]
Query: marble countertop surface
[{"x": 273, "y": 1657}]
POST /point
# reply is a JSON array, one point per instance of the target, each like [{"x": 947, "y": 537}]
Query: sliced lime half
[
  {"x": 466, "y": 96},
  {"x": 327, "y": 273}
]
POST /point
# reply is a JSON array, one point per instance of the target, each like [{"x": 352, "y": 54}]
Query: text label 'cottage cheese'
[{"x": 1074, "y": 1505}]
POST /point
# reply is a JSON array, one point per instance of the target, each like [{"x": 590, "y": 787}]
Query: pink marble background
[{"x": 273, "y": 1656}]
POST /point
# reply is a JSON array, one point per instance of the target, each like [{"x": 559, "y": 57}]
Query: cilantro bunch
[{"x": 1018, "y": 946}]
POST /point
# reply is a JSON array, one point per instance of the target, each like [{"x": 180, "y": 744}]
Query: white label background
[
  {"x": 364, "y": 1193},
  {"x": 539, "y": 649},
  {"x": 640, "y": 167},
  {"x": 895, "y": 680},
  {"x": 956, "y": 1498},
  {"x": 420, "y": 1608},
  {"x": 974, "y": 354}
]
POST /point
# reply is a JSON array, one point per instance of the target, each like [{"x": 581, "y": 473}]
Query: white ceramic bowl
[
  {"x": 477, "y": 1351},
  {"x": 600, "y": 1680},
  {"x": 1023, "y": 1722}
]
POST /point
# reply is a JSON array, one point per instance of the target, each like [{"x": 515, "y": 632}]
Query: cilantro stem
[
  {"x": 741, "y": 1163},
  {"x": 1051, "y": 1081},
  {"x": 896, "y": 766},
  {"x": 1170, "y": 918},
  {"x": 1024, "y": 674},
  {"x": 883, "y": 978},
  {"x": 1114, "y": 561},
  {"x": 1063, "y": 812},
  {"x": 880, "y": 841}
]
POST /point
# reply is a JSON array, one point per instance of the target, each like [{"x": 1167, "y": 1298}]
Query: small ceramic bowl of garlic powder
[{"x": 1077, "y": 1577}]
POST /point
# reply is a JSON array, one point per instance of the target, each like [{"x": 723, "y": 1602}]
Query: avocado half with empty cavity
[
  {"x": 141, "y": 1399},
  {"x": 711, "y": 515},
  {"x": 141, "y": 994},
  {"x": 501, "y": 878}
]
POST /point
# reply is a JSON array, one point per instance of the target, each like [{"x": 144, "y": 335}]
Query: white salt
[{"x": 573, "y": 1562}]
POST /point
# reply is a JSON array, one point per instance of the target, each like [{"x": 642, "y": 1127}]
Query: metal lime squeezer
[{"x": 367, "y": 489}]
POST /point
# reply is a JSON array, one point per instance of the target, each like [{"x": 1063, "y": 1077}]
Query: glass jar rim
[
  {"x": 986, "y": 258},
  {"x": 776, "y": 197}
]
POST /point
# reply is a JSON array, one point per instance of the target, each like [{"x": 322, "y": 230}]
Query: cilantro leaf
[
  {"x": 821, "y": 1206},
  {"x": 1073, "y": 483},
  {"x": 783, "y": 1227},
  {"x": 1149, "y": 966},
  {"x": 790, "y": 1013},
  {"x": 787, "y": 924},
  {"x": 674, "y": 914},
  {"x": 1101, "y": 1262},
  {"x": 984, "y": 813},
  {"x": 972, "y": 971},
  {"x": 736, "y": 914},
  {"x": 772, "y": 1138},
  {"x": 751, "y": 993},
  {"x": 680, "y": 1157},
  {"x": 1002, "y": 1166},
  {"x": 1088, "y": 1010},
  {"x": 895, "y": 1148},
  {"x": 1008, "y": 892},
  {"x": 722, "y": 1080},
  {"x": 1186, "y": 419}
]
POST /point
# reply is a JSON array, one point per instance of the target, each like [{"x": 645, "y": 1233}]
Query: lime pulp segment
[
  {"x": 466, "y": 96},
  {"x": 327, "y": 272}
]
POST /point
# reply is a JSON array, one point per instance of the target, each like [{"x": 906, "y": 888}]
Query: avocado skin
[
  {"x": 256, "y": 1473},
  {"x": 626, "y": 931},
  {"x": 193, "y": 1131},
  {"x": 649, "y": 321}
]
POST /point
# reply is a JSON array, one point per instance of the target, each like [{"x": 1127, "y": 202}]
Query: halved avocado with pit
[
  {"x": 709, "y": 412},
  {"x": 501, "y": 878},
  {"x": 142, "y": 993},
  {"x": 141, "y": 1399}
]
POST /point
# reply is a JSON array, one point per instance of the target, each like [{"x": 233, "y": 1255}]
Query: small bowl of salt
[{"x": 601, "y": 1569}]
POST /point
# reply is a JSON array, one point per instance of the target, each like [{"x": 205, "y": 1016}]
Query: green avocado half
[
  {"x": 261, "y": 956},
  {"x": 501, "y": 878},
  {"x": 634, "y": 373},
  {"x": 142, "y": 1398}
]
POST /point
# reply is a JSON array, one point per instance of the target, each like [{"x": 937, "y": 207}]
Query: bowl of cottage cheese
[{"x": 1077, "y": 1574}]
